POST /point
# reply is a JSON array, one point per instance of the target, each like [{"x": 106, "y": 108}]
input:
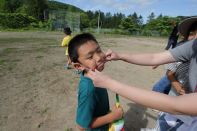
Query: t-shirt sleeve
[
  {"x": 65, "y": 41},
  {"x": 172, "y": 67},
  {"x": 183, "y": 52},
  {"x": 86, "y": 105}
]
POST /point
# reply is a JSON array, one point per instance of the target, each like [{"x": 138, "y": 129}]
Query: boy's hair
[
  {"x": 76, "y": 42},
  {"x": 192, "y": 28},
  {"x": 67, "y": 30}
]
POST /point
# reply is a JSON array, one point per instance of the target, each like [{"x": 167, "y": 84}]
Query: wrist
[
  {"x": 111, "y": 117},
  {"x": 120, "y": 56},
  {"x": 108, "y": 83}
]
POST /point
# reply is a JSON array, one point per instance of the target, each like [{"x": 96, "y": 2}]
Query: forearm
[
  {"x": 102, "y": 120},
  {"x": 176, "y": 85},
  {"x": 99, "y": 121},
  {"x": 147, "y": 59},
  {"x": 175, "y": 105},
  {"x": 174, "y": 82}
]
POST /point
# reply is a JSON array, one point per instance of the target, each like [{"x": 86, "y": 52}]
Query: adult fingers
[{"x": 109, "y": 51}]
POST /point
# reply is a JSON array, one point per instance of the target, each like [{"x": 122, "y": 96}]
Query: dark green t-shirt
[{"x": 92, "y": 102}]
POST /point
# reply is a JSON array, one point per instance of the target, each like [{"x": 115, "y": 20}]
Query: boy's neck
[{"x": 85, "y": 73}]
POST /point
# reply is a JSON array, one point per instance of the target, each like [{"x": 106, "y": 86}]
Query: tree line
[
  {"x": 132, "y": 24},
  {"x": 32, "y": 13}
]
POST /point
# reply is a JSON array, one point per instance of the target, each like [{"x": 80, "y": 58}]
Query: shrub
[{"x": 15, "y": 20}]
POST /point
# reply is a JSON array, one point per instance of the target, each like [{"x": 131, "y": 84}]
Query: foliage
[
  {"x": 163, "y": 25},
  {"x": 15, "y": 20},
  {"x": 31, "y": 13},
  {"x": 54, "y": 5},
  {"x": 9, "y": 6},
  {"x": 84, "y": 21},
  {"x": 36, "y": 8},
  {"x": 132, "y": 23}
]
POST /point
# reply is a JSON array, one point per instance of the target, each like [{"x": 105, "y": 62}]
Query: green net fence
[{"x": 60, "y": 18}]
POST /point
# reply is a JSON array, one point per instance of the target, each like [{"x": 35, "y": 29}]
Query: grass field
[{"x": 38, "y": 94}]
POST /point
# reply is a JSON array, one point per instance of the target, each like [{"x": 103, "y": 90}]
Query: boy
[
  {"x": 65, "y": 43},
  {"x": 93, "y": 104}
]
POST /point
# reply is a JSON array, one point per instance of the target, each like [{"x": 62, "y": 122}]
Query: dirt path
[{"x": 38, "y": 94}]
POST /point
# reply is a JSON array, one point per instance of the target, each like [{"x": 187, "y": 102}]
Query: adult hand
[
  {"x": 98, "y": 78},
  {"x": 110, "y": 55}
]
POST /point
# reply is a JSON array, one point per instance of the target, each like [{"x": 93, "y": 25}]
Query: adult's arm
[
  {"x": 146, "y": 59},
  {"x": 183, "y": 104}
]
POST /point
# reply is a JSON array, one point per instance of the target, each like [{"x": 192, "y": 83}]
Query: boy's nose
[{"x": 98, "y": 58}]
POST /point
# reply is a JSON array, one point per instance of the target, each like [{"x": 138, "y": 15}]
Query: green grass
[
  {"x": 9, "y": 50},
  {"x": 7, "y": 61},
  {"x": 41, "y": 49},
  {"x": 43, "y": 41},
  {"x": 39, "y": 57},
  {"x": 69, "y": 129},
  {"x": 7, "y": 64},
  {"x": 2, "y": 62}
]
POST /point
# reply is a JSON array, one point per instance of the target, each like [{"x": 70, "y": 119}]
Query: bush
[
  {"x": 15, "y": 20},
  {"x": 165, "y": 32},
  {"x": 146, "y": 33}
]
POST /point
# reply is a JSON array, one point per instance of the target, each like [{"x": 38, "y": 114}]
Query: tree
[
  {"x": 10, "y": 6},
  {"x": 162, "y": 25},
  {"x": 132, "y": 23},
  {"x": 36, "y": 8},
  {"x": 151, "y": 17},
  {"x": 160, "y": 16},
  {"x": 84, "y": 21}
]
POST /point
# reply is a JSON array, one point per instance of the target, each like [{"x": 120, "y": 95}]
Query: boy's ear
[{"x": 78, "y": 66}]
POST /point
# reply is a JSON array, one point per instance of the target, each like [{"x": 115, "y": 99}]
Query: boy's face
[
  {"x": 90, "y": 57},
  {"x": 192, "y": 35}
]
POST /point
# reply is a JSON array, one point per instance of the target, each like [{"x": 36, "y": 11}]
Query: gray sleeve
[
  {"x": 183, "y": 52},
  {"x": 172, "y": 66}
]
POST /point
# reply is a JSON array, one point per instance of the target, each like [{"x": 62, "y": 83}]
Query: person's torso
[
  {"x": 182, "y": 76},
  {"x": 193, "y": 73},
  {"x": 101, "y": 101},
  {"x": 188, "y": 53}
]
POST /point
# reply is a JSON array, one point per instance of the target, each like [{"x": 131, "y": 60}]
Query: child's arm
[
  {"x": 183, "y": 104},
  {"x": 115, "y": 114},
  {"x": 81, "y": 128},
  {"x": 175, "y": 83},
  {"x": 64, "y": 44}
]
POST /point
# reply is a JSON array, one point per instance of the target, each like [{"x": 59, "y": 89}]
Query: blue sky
[{"x": 143, "y": 7}]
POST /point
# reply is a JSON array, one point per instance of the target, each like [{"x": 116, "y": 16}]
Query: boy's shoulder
[
  {"x": 68, "y": 37},
  {"x": 86, "y": 85}
]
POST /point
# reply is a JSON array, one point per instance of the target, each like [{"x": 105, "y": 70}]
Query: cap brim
[{"x": 185, "y": 25}]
